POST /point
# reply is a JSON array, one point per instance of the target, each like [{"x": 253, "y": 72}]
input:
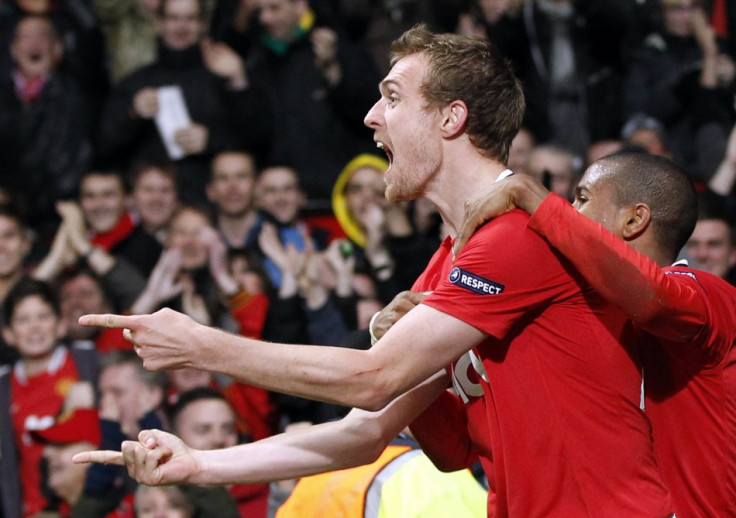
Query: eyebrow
[{"x": 388, "y": 83}]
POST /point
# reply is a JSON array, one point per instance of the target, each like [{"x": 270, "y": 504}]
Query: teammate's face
[
  {"x": 594, "y": 199},
  {"x": 407, "y": 131},
  {"x": 207, "y": 424}
]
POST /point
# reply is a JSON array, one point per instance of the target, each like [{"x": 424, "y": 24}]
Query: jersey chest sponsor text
[{"x": 466, "y": 375}]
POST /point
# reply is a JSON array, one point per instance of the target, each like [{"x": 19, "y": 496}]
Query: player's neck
[
  {"x": 459, "y": 181},
  {"x": 646, "y": 245}
]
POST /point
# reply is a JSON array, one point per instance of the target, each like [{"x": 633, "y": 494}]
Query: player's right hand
[{"x": 157, "y": 458}]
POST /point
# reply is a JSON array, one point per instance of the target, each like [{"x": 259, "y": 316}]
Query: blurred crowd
[{"x": 210, "y": 156}]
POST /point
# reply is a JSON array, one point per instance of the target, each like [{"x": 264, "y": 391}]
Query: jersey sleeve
[
  {"x": 503, "y": 273},
  {"x": 671, "y": 307},
  {"x": 442, "y": 432}
]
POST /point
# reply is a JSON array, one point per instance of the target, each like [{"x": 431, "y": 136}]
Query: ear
[
  {"x": 638, "y": 218},
  {"x": 454, "y": 118}
]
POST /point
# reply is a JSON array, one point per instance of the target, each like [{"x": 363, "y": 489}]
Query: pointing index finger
[
  {"x": 99, "y": 456},
  {"x": 106, "y": 320}
]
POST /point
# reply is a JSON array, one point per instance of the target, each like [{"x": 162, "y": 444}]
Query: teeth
[{"x": 379, "y": 145}]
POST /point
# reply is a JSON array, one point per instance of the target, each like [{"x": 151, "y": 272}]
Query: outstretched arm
[
  {"x": 668, "y": 306},
  {"x": 161, "y": 458},
  {"x": 404, "y": 357}
]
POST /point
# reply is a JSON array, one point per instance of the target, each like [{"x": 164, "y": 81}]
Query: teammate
[
  {"x": 556, "y": 398},
  {"x": 685, "y": 316}
]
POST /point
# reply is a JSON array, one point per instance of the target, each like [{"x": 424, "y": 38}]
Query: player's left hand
[{"x": 517, "y": 191}]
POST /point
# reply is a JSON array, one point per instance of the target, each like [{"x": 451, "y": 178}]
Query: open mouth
[
  {"x": 35, "y": 56},
  {"x": 386, "y": 150}
]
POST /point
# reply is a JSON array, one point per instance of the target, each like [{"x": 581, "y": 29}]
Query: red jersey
[
  {"x": 560, "y": 392},
  {"x": 687, "y": 320},
  {"x": 35, "y": 403}
]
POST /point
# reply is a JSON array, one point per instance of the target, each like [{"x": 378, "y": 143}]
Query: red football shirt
[
  {"x": 35, "y": 403},
  {"x": 687, "y": 320},
  {"x": 561, "y": 395}
]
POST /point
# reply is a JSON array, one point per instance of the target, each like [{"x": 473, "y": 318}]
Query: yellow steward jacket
[{"x": 402, "y": 483}]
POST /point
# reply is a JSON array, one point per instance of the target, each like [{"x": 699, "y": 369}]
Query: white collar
[
  {"x": 504, "y": 174},
  {"x": 57, "y": 360}
]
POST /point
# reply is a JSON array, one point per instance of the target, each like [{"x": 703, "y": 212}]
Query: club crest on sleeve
[{"x": 475, "y": 283}]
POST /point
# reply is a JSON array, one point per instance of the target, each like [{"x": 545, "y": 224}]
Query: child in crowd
[{"x": 33, "y": 392}]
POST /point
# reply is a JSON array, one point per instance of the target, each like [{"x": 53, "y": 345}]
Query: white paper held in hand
[{"x": 172, "y": 116}]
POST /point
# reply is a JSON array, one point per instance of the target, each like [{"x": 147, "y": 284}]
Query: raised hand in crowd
[
  {"x": 218, "y": 262},
  {"x": 193, "y": 303},
  {"x": 718, "y": 68},
  {"x": 192, "y": 139},
  {"x": 145, "y": 103},
  {"x": 340, "y": 257},
  {"x": 723, "y": 180},
  {"x": 285, "y": 257},
  {"x": 163, "y": 284},
  {"x": 324, "y": 46},
  {"x": 223, "y": 61},
  {"x": 314, "y": 278},
  {"x": 72, "y": 244},
  {"x": 59, "y": 257}
]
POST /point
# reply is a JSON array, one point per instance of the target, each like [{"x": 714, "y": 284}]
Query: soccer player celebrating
[{"x": 548, "y": 368}]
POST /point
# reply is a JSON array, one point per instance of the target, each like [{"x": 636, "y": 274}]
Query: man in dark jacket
[
  {"x": 45, "y": 123},
  {"x": 322, "y": 86},
  {"x": 224, "y": 105}
]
